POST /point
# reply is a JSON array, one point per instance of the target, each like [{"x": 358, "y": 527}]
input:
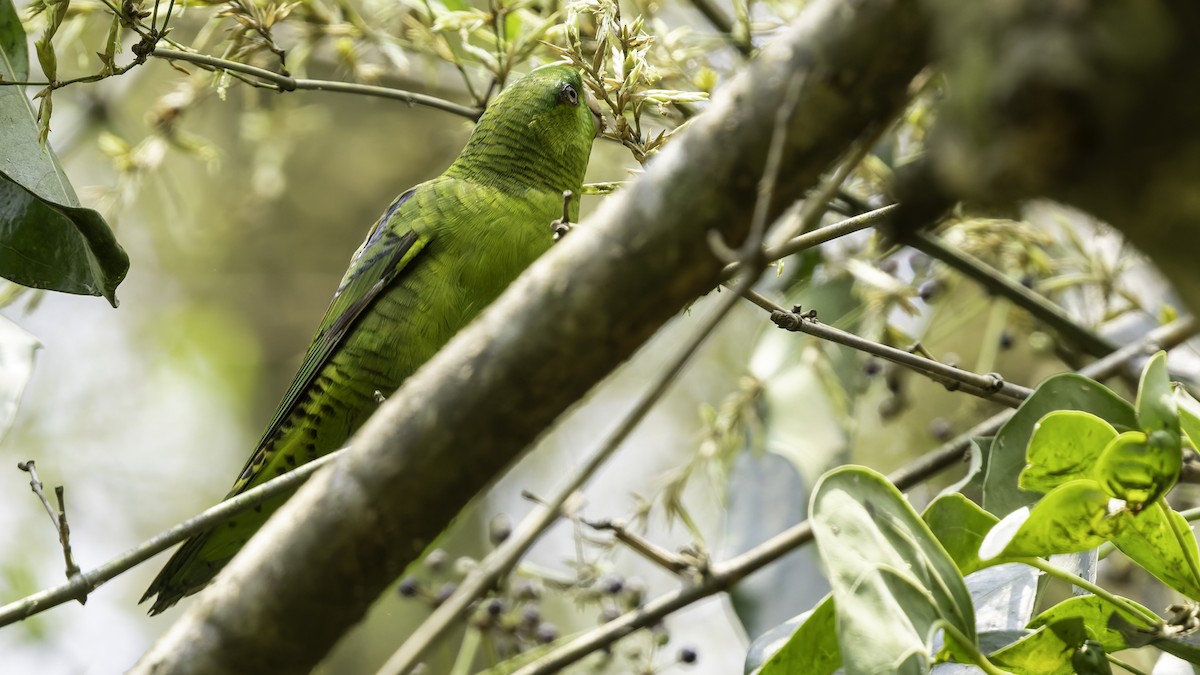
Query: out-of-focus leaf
[
  {"x": 812, "y": 647},
  {"x": 1072, "y": 517},
  {"x": 46, "y": 240},
  {"x": 16, "y": 367},
  {"x": 14, "y": 54},
  {"x": 892, "y": 581},
  {"x": 766, "y": 496},
  {"x": 1066, "y": 391},
  {"x": 1161, "y": 541},
  {"x": 960, "y": 525},
  {"x": 1047, "y": 651},
  {"x": 55, "y": 247},
  {"x": 1064, "y": 447},
  {"x": 1140, "y": 468}
]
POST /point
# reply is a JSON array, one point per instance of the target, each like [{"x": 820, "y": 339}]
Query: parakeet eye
[{"x": 569, "y": 95}]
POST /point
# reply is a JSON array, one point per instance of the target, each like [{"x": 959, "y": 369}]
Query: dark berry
[
  {"x": 613, "y": 585},
  {"x": 495, "y": 607},
  {"x": 929, "y": 290},
  {"x": 688, "y": 655},
  {"x": 408, "y": 587},
  {"x": 546, "y": 633},
  {"x": 531, "y": 616},
  {"x": 1006, "y": 340}
]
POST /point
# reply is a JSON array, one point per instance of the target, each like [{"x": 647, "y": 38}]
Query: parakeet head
[{"x": 537, "y": 133}]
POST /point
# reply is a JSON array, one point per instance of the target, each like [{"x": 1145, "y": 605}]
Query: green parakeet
[{"x": 440, "y": 253}]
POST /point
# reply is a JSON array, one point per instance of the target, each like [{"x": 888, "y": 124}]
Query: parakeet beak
[{"x": 594, "y": 106}]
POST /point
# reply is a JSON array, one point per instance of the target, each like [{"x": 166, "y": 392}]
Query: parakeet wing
[{"x": 383, "y": 256}]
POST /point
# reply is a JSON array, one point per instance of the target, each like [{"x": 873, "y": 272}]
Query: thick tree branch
[{"x": 576, "y": 314}]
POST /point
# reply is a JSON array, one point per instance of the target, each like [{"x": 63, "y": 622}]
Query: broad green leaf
[
  {"x": 1047, "y": 651},
  {"x": 812, "y": 648},
  {"x": 1156, "y": 409},
  {"x": 1162, "y": 542},
  {"x": 892, "y": 581},
  {"x": 46, "y": 240},
  {"x": 1140, "y": 469},
  {"x": 1064, "y": 447},
  {"x": 1072, "y": 517},
  {"x": 1094, "y": 611},
  {"x": 50, "y": 246},
  {"x": 17, "y": 348},
  {"x": 960, "y": 525},
  {"x": 1066, "y": 391}
]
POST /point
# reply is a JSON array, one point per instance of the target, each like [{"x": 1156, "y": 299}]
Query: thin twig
[
  {"x": 284, "y": 83},
  {"x": 640, "y": 545},
  {"x": 64, "y": 534},
  {"x": 991, "y": 386},
  {"x": 60, "y": 519},
  {"x": 36, "y": 485},
  {"x": 725, "y": 575},
  {"x": 82, "y": 584},
  {"x": 1042, "y": 309}
]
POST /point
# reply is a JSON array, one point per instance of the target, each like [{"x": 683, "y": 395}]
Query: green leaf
[
  {"x": 1161, "y": 541},
  {"x": 812, "y": 648},
  {"x": 1156, "y": 409},
  {"x": 1064, "y": 447},
  {"x": 14, "y": 53},
  {"x": 1066, "y": 391},
  {"x": 60, "y": 248},
  {"x": 960, "y": 525},
  {"x": 1094, "y": 611},
  {"x": 1140, "y": 469},
  {"x": 1047, "y": 651},
  {"x": 46, "y": 240},
  {"x": 892, "y": 581},
  {"x": 1072, "y": 517}
]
